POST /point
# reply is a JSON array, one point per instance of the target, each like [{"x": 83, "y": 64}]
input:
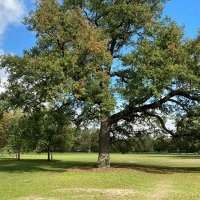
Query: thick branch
[
  {"x": 130, "y": 110},
  {"x": 123, "y": 75},
  {"x": 183, "y": 106},
  {"x": 161, "y": 121}
]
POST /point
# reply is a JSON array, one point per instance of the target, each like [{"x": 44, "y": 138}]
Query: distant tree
[
  {"x": 16, "y": 134},
  {"x": 144, "y": 143},
  {"x": 136, "y": 143},
  {"x": 46, "y": 129},
  {"x": 162, "y": 144},
  {"x": 5, "y": 122},
  {"x": 86, "y": 140},
  {"x": 188, "y": 131},
  {"x": 64, "y": 142}
]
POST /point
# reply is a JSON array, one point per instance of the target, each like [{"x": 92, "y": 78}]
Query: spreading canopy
[{"x": 88, "y": 52}]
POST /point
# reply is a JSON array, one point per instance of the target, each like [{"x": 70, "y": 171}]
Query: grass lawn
[{"x": 73, "y": 176}]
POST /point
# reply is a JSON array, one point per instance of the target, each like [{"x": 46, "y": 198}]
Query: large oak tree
[{"x": 92, "y": 54}]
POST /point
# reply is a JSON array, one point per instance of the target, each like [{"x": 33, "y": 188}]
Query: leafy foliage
[{"x": 71, "y": 71}]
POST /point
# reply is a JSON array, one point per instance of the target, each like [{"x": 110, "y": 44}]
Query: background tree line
[{"x": 41, "y": 133}]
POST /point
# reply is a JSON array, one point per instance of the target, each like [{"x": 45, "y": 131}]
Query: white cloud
[
  {"x": 11, "y": 12},
  {"x": 3, "y": 76}
]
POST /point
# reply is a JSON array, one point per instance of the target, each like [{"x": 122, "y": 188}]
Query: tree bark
[
  {"x": 18, "y": 156},
  {"x": 49, "y": 153},
  {"x": 104, "y": 144}
]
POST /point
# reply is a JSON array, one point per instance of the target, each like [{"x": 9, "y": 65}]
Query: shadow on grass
[
  {"x": 28, "y": 165},
  {"x": 187, "y": 156},
  {"x": 11, "y": 166},
  {"x": 173, "y": 155},
  {"x": 157, "y": 169}
]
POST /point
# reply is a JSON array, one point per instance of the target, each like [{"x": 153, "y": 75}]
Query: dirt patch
[
  {"x": 161, "y": 191},
  {"x": 110, "y": 169},
  {"x": 115, "y": 192}
]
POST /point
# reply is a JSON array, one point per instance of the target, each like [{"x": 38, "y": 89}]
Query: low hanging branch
[{"x": 130, "y": 111}]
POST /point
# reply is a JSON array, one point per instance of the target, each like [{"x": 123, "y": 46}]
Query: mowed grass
[{"x": 74, "y": 176}]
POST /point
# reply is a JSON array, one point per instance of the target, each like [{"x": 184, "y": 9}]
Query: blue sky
[
  {"x": 14, "y": 37},
  {"x": 186, "y": 13}
]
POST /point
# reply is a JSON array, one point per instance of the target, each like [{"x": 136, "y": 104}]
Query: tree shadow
[
  {"x": 157, "y": 169},
  {"x": 27, "y": 165},
  {"x": 187, "y": 156},
  {"x": 181, "y": 156}
]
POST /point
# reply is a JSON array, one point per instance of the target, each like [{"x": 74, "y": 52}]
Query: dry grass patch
[
  {"x": 95, "y": 169},
  {"x": 114, "y": 192},
  {"x": 161, "y": 191}
]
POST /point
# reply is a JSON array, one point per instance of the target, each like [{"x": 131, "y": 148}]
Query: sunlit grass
[{"x": 74, "y": 176}]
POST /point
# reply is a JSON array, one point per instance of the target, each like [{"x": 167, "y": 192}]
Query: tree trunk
[
  {"x": 104, "y": 144},
  {"x": 18, "y": 156},
  {"x": 49, "y": 153}
]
